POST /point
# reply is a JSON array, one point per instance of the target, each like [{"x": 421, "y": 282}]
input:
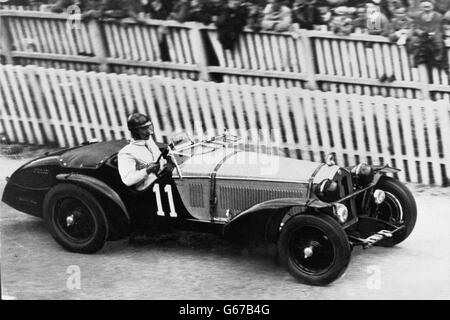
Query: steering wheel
[{"x": 166, "y": 154}]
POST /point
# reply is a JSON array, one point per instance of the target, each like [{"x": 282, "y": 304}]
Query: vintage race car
[{"x": 314, "y": 212}]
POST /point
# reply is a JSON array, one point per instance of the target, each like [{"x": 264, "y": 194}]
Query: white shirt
[{"x": 134, "y": 158}]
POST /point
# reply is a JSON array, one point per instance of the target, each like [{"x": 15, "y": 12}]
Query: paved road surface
[{"x": 191, "y": 266}]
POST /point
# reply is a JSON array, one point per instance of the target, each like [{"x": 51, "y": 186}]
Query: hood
[
  {"x": 232, "y": 164},
  {"x": 255, "y": 166}
]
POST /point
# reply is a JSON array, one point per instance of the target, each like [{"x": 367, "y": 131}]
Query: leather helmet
[{"x": 138, "y": 120}]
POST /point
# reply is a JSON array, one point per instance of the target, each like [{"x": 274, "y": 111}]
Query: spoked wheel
[
  {"x": 398, "y": 208},
  {"x": 75, "y": 219},
  {"x": 314, "y": 248},
  {"x": 311, "y": 250}
]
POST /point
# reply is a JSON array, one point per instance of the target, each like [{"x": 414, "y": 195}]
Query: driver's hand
[
  {"x": 162, "y": 163},
  {"x": 153, "y": 168}
]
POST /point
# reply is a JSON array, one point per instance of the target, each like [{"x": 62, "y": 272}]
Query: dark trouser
[{"x": 429, "y": 50}]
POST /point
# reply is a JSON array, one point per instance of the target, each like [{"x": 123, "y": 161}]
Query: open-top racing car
[{"x": 314, "y": 212}]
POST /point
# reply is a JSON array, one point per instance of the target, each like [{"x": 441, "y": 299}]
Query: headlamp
[
  {"x": 379, "y": 196},
  {"x": 327, "y": 190},
  {"x": 340, "y": 212},
  {"x": 363, "y": 174}
]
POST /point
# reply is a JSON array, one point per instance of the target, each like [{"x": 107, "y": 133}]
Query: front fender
[
  {"x": 265, "y": 218},
  {"x": 115, "y": 210},
  {"x": 385, "y": 169}
]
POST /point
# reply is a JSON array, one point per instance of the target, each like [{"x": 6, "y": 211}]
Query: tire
[
  {"x": 319, "y": 232},
  {"x": 397, "y": 195},
  {"x": 75, "y": 219}
]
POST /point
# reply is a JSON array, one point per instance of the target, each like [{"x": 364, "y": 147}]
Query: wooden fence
[
  {"x": 305, "y": 59},
  {"x": 33, "y": 7},
  {"x": 62, "y": 107}
]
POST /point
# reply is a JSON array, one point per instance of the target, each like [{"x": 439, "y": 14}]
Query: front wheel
[
  {"x": 314, "y": 248},
  {"x": 75, "y": 219},
  {"x": 399, "y": 208}
]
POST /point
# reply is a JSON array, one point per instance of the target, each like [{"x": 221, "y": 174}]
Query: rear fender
[
  {"x": 265, "y": 220},
  {"x": 116, "y": 213}
]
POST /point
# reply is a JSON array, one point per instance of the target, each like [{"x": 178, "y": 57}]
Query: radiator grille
[
  {"x": 240, "y": 198},
  {"x": 196, "y": 195}
]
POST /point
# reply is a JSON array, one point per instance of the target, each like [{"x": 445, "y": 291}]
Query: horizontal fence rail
[
  {"x": 65, "y": 108},
  {"x": 33, "y": 7},
  {"x": 303, "y": 59}
]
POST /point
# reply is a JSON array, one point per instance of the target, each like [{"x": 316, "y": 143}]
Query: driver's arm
[{"x": 129, "y": 174}]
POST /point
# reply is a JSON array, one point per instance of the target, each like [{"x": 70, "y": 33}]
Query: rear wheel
[
  {"x": 75, "y": 219},
  {"x": 398, "y": 208},
  {"x": 314, "y": 248}
]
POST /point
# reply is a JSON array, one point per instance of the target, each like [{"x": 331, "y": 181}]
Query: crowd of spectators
[{"x": 420, "y": 25}]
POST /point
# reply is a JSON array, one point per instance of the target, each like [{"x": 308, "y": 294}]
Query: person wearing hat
[
  {"x": 277, "y": 16},
  {"x": 306, "y": 14},
  {"x": 138, "y": 160},
  {"x": 376, "y": 21},
  {"x": 427, "y": 42},
  {"x": 401, "y": 27},
  {"x": 342, "y": 23}
]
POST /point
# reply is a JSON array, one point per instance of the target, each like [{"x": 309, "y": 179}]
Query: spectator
[
  {"x": 342, "y": 23},
  {"x": 360, "y": 20},
  {"x": 231, "y": 22},
  {"x": 198, "y": 12},
  {"x": 446, "y": 25},
  {"x": 277, "y": 16},
  {"x": 397, "y": 4},
  {"x": 401, "y": 26},
  {"x": 325, "y": 14},
  {"x": 213, "y": 9},
  {"x": 427, "y": 41},
  {"x": 89, "y": 8},
  {"x": 385, "y": 7},
  {"x": 121, "y": 9},
  {"x": 61, "y": 5},
  {"x": 442, "y": 6},
  {"x": 306, "y": 14},
  {"x": 180, "y": 11},
  {"x": 158, "y": 9},
  {"x": 255, "y": 17},
  {"x": 331, "y": 3},
  {"x": 376, "y": 21},
  {"x": 92, "y": 9}
]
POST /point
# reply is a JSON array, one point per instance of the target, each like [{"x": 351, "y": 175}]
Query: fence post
[
  {"x": 5, "y": 41},
  {"x": 310, "y": 60},
  {"x": 99, "y": 44},
  {"x": 199, "y": 50},
  {"x": 424, "y": 82}
]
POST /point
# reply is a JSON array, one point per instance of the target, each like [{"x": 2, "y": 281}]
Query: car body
[{"x": 315, "y": 212}]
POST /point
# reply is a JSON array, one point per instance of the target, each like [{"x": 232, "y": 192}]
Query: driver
[{"x": 137, "y": 161}]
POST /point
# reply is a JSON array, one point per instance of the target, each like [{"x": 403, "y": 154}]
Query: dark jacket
[
  {"x": 160, "y": 14},
  {"x": 306, "y": 16},
  {"x": 180, "y": 11},
  {"x": 230, "y": 24},
  {"x": 198, "y": 14}
]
